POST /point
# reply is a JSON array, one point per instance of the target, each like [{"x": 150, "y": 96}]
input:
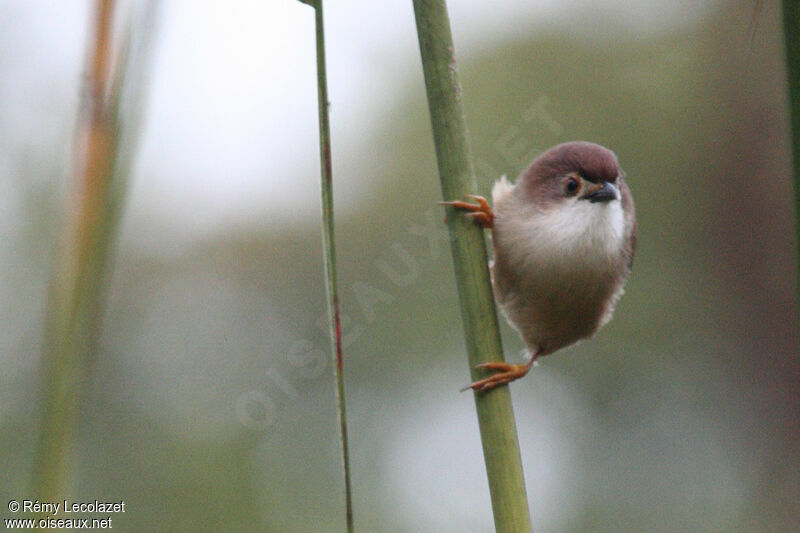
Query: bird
[{"x": 563, "y": 239}]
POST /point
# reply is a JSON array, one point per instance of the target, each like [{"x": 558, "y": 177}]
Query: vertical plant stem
[
  {"x": 791, "y": 27},
  {"x": 329, "y": 249},
  {"x": 76, "y": 294},
  {"x": 495, "y": 413},
  {"x": 72, "y": 313}
]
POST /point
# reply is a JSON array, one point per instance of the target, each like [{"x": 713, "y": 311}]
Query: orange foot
[
  {"x": 482, "y": 212},
  {"x": 508, "y": 373}
]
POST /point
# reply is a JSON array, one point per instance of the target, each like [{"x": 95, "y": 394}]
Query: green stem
[
  {"x": 76, "y": 297},
  {"x": 791, "y": 27},
  {"x": 482, "y": 334},
  {"x": 329, "y": 247},
  {"x": 74, "y": 301}
]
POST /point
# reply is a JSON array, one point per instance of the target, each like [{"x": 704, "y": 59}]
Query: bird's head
[
  {"x": 572, "y": 173},
  {"x": 576, "y": 190}
]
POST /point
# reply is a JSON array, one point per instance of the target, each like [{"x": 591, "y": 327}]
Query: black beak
[{"x": 606, "y": 193}]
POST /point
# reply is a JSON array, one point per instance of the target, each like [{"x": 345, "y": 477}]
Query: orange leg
[
  {"x": 482, "y": 212},
  {"x": 508, "y": 372}
]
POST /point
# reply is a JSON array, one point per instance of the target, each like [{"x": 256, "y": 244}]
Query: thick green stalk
[
  {"x": 495, "y": 413},
  {"x": 329, "y": 248},
  {"x": 791, "y": 27}
]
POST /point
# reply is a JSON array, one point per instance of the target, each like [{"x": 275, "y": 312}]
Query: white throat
[{"x": 579, "y": 233}]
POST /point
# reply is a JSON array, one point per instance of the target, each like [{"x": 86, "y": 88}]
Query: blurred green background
[{"x": 211, "y": 405}]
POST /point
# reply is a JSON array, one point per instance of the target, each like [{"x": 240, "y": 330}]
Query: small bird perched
[{"x": 564, "y": 237}]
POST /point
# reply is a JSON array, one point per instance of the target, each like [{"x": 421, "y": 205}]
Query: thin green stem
[
  {"x": 329, "y": 248},
  {"x": 482, "y": 334},
  {"x": 791, "y": 27}
]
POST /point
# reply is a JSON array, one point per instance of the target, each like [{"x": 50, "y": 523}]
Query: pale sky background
[{"x": 231, "y": 119}]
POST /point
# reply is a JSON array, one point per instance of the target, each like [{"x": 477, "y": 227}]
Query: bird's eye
[{"x": 572, "y": 186}]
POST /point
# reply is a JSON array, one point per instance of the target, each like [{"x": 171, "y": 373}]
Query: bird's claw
[
  {"x": 482, "y": 212},
  {"x": 508, "y": 372}
]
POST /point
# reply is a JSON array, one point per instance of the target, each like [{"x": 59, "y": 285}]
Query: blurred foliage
[{"x": 210, "y": 406}]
